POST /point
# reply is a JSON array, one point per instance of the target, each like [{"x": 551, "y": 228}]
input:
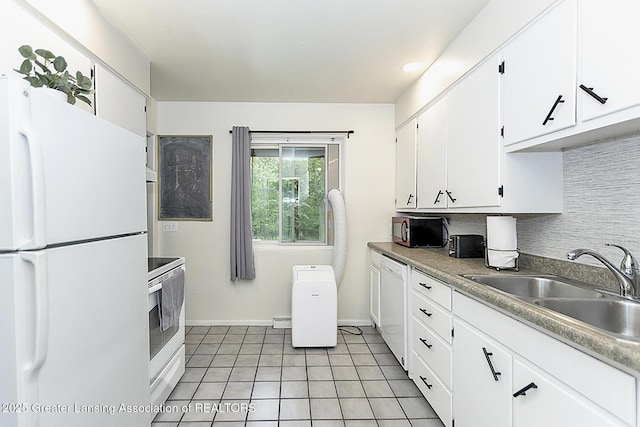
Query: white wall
[
  {"x": 21, "y": 27},
  {"x": 81, "y": 25},
  {"x": 369, "y": 191},
  {"x": 494, "y": 25}
]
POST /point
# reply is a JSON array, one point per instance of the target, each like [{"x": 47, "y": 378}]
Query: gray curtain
[{"x": 242, "y": 265}]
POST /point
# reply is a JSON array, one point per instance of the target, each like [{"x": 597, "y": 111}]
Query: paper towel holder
[{"x": 486, "y": 259}]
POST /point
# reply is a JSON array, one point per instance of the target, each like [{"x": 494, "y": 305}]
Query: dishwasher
[{"x": 393, "y": 307}]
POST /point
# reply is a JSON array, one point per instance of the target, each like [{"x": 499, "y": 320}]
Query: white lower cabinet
[
  {"x": 430, "y": 342},
  {"x": 541, "y": 400},
  {"x": 508, "y": 374},
  {"x": 479, "y": 367},
  {"x": 481, "y": 379},
  {"x": 374, "y": 287}
]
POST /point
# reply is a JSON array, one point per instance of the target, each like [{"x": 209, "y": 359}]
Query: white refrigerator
[{"x": 74, "y": 345}]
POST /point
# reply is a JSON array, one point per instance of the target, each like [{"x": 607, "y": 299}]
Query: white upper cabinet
[
  {"x": 610, "y": 65},
  {"x": 432, "y": 157},
  {"x": 539, "y": 76},
  {"x": 459, "y": 145},
  {"x": 119, "y": 103},
  {"x": 406, "y": 166},
  {"x": 461, "y": 164},
  {"x": 473, "y": 139}
]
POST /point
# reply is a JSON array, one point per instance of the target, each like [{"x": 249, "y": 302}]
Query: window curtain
[{"x": 242, "y": 264}]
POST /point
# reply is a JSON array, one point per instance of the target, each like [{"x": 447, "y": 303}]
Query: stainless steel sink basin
[
  {"x": 617, "y": 316},
  {"x": 533, "y": 286}
]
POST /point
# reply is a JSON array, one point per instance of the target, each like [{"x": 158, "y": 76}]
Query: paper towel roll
[
  {"x": 502, "y": 241},
  {"x": 502, "y": 259}
]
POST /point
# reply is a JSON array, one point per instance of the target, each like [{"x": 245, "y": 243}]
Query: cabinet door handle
[
  {"x": 493, "y": 371},
  {"x": 523, "y": 390},
  {"x": 409, "y": 199},
  {"x": 559, "y": 100},
  {"x": 426, "y": 312},
  {"x": 424, "y": 285},
  {"x": 424, "y": 380},
  {"x": 594, "y": 95},
  {"x": 425, "y": 343},
  {"x": 450, "y": 196},
  {"x": 440, "y": 193}
]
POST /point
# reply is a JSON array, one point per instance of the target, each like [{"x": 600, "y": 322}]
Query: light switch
[{"x": 170, "y": 226}]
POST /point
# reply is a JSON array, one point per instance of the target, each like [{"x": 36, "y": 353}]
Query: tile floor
[{"x": 252, "y": 376}]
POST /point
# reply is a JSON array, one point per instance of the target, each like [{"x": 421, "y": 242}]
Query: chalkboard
[{"x": 184, "y": 174}]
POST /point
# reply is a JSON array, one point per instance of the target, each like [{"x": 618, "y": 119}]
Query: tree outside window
[{"x": 288, "y": 193}]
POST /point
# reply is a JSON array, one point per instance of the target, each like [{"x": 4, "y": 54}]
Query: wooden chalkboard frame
[{"x": 184, "y": 178}]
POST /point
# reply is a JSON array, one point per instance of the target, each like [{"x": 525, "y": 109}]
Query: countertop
[{"x": 436, "y": 262}]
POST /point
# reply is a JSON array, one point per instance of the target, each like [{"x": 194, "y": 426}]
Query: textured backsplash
[{"x": 601, "y": 205}]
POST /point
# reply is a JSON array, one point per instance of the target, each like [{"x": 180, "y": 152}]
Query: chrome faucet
[{"x": 628, "y": 275}]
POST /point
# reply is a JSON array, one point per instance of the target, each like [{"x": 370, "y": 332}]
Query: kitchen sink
[
  {"x": 533, "y": 286},
  {"x": 618, "y": 316}
]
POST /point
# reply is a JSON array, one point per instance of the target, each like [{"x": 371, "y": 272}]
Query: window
[{"x": 289, "y": 183}]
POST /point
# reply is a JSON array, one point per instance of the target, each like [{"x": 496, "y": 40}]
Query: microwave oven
[{"x": 414, "y": 231}]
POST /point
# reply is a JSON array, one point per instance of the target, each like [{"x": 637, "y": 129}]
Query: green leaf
[
  {"x": 46, "y": 54},
  {"x": 60, "y": 64},
  {"x": 84, "y": 82},
  {"x": 70, "y": 98},
  {"x": 84, "y": 99},
  {"x": 42, "y": 66},
  {"x": 26, "y": 67},
  {"x": 26, "y": 51},
  {"x": 34, "y": 81}
]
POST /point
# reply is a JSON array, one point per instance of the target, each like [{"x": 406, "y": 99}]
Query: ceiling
[{"x": 287, "y": 50}]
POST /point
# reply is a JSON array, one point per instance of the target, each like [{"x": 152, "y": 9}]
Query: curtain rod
[{"x": 348, "y": 132}]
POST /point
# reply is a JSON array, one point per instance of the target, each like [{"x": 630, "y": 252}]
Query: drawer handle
[
  {"x": 424, "y": 285},
  {"x": 493, "y": 371},
  {"x": 523, "y": 390},
  {"x": 549, "y": 117},
  {"x": 424, "y": 380},
  {"x": 594, "y": 95},
  {"x": 425, "y": 343},
  {"x": 426, "y": 312},
  {"x": 435, "y": 202}
]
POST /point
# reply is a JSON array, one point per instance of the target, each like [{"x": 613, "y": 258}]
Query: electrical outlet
[{"x": 170, "y": 226}]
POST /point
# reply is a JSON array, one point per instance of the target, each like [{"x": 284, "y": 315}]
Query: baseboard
[{"x": 271, "y": 322}]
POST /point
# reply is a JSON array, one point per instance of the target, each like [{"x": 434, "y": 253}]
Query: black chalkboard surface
[{"x": 184, "y": 175}]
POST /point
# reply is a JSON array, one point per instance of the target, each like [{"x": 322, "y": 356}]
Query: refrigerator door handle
[
  {"x": 36, "y": 167},
  {"x": 39, "y": 262}
]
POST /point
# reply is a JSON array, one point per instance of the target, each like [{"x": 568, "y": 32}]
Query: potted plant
[{"x": 37, "y": 71}]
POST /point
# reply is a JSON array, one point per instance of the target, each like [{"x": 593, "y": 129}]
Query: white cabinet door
[
  {"x": 610, "y": 64},
  {"x": 540, "y": 400},
  {"x": 481, "y": 379},
  {"x": 374, "y": 295},
  {"x": 406, "y": 166},
  {"x": 119, "y": 103},
  {"x": 432, "y": 157},
  {"x": 473, "y": 139},
  {"x": 539, "y": 76}
]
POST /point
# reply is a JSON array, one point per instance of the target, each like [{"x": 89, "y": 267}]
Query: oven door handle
[{"x": 155, "y": 288}]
